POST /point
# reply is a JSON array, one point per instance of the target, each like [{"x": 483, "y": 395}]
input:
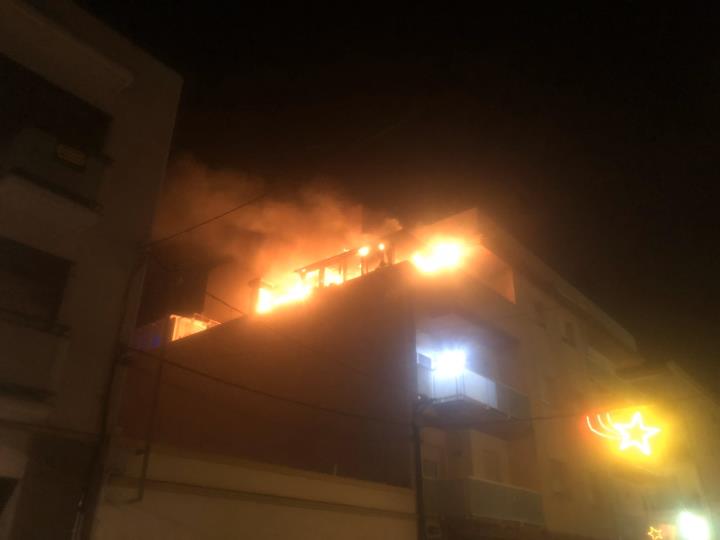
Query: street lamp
[{"x": 692, "y": 526}]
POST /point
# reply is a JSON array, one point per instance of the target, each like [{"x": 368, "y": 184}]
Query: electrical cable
[
  {"x": 317, "y": 351},
  {"x": 275, "y": 330},
  {"x": 207, "y": 221},
  {"x": 270, "y": 395}
]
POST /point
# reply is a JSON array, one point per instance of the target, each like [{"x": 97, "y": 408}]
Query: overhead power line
[
  {"x": 299, "y": 403},
  {"x": 207, "y": 221}
]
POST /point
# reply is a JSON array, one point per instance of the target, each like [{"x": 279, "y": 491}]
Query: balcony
[
  {"x": 472, "y": 498},
  {"x": 45, "y": 185},
  {"x": 478, "y": 400},
  {"x": 30, "y": 365}
]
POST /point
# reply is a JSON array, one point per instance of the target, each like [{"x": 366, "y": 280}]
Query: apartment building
[
  {"x": 86, "y": 120},
  {"x": 394, "y": 397},
  {"x": 697, "y": 429}
]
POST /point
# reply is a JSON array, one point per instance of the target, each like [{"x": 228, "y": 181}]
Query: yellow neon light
[
  {"x": 629, "y": 433},
  {"x": 634, "y": 434},
  {"x": 655, "y": 534},
  {"x": 595, "y": 431},
  {"x": 609, "y": 426}
]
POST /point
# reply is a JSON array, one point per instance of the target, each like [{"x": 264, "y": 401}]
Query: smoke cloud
[{"x": 274, "y": 236}]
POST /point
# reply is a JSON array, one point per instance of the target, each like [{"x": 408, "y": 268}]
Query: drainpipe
[
  {"x": 152, "y": 420},
  {"x": 417, "y": 452},
  {"x": 96, "y": 476}
]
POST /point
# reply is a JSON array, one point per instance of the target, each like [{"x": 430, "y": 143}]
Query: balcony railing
[
  {"x": 39, "y": 157},
  {"x": 30, "y": 359},
  {"x": 474, "y": 387},
  {"x": 475, "y": 498}
]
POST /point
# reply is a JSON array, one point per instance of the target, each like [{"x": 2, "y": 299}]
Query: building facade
[
  {"x": 86, "y": 121},
  {"x": 396, "y": 401}
]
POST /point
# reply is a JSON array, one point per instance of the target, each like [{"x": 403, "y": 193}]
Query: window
[
  {"x": 559, "y": 478},
  {"x": 32, "y": 283},
  {"x": 492, "y": 465},
  {"x": 33, "y": 102},
  {"x": 569, "y": 333}
]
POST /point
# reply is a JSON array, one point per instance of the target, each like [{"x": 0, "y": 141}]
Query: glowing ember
[
  {"x": 187, "y": 326},
  {"x": 439, "y": 256}
]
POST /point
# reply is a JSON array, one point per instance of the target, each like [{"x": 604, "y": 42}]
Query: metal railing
[
  {"x": 475, "y": 387},
  {"x": 476, "y": 498},
  {"x": 31, "y": 358},
  {"x": 39, "y": 157}
]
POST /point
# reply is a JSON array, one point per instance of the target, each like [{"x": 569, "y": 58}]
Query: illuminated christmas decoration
[
  {"x": 606, "y": 431},
  {"x": 634, "y": 434},
  {"x": 655, "y": 534}
]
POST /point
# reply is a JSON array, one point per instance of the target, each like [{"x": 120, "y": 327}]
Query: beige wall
[
  {"x": 141, "y": 96},
  {"x": 78, "y": 54},
  {"x": 203, "y": 497}
]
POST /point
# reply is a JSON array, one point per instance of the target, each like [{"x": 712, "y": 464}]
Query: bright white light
[
  {"x": 449, "y": 363},
  {"x": 693, "y": 527}
]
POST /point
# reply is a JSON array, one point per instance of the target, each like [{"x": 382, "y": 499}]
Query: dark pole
[
  {"x": 418, "y": 409},
  {"x": 152, "y": 420},
  {"x": 96, "y": 476}
]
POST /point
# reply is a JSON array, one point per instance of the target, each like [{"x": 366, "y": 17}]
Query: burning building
[{"x": 432, "y": 380}]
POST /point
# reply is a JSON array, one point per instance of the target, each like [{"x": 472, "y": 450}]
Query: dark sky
[{"x": 591, "y": 134}]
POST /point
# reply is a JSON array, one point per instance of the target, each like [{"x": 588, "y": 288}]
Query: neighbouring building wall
[
  {"x": 204, "y": 496},
  {"x": 80, "y": 177}
]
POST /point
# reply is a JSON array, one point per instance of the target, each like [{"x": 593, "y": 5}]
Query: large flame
[
  {"x": 270, "y": 298},
  {"x": 437, "y": 256}
]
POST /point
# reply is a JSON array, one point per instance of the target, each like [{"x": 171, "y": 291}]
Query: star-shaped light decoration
[
  {"x": 636, "y": 434},
  {"x": 655, "y": 534}
]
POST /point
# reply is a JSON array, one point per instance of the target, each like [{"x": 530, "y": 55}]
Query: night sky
[{"x": 589, "y": 134}]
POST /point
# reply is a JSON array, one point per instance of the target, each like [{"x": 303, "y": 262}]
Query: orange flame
[
  {"x": 269, "y": 299},
  {"x": 438, "y": 256}
]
